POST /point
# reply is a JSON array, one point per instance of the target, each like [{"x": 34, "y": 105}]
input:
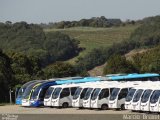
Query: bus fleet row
[{"x": 136, "y": 92}]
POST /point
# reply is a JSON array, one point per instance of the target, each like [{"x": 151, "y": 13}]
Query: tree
[
  {"x": 59, "y": 69},
  {"x": 118, "y": 64},
  {"x": 6, "y": 78}
]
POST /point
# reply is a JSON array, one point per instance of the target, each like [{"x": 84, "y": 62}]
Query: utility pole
[{"x": 10, "y": 95}]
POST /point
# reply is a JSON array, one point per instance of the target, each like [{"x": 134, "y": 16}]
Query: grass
[{"x": 91, "y": 38}]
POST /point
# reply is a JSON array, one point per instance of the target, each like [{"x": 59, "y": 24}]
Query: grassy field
[{"x": 96, "y": 37}]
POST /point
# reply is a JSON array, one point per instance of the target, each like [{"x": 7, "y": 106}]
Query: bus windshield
[
  {"x": 35, "y": 92},
  {"x": 88, "y": 93},
  {"x": 56, "y": 93},
  {"x": 146, "y": 95},
  {"x": 49, "y": 92},
  {"x": 95, "y": 93},
  {"x": 137, "y": 95},
  {"x": 130, "y": 95},
  {"x": 155, "y": 96},
  {"x": 77, "y": 93},
  {"x": 114, "y": 94},
  {"x": 20, "y": 92},
  {"x": 28, "y": 91}
]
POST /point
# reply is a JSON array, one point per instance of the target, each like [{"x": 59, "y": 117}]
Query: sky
[{"x": 44, "y": 11}]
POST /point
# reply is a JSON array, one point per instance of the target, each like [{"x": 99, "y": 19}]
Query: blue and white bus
[{"x": 21, "y": 91}]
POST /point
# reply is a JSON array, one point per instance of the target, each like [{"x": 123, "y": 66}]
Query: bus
[
  {"x": 136, "y": 102},
  {"x": 132, "y": 92},
  {"x": 63, "y": 94},
  {"x": 28, "y": 92},
  {"x": 118, "y": 95},
  {"x": 155, "y": 101},
  {"x": 21, "y": 91},
  {"x": 100, "y": 97},
  {"x": 89, "y": 93},
  {"x": 79, "y": 95},
  {"x": 145, "y": 100}
]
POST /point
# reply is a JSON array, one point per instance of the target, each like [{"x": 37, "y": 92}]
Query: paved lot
[
  {"x": 16, "y": 112},
  {"x": 16, "y": 109}
]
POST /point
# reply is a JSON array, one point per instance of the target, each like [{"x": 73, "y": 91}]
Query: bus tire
[
  {"x": 122, "y": 107},
  {"x": 65, "y": 105},
  {"x": 104, "y": 107}
]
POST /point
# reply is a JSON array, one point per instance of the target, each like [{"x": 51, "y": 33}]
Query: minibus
[
  {"x": 118, "y": 95},
  {"x": 63, "y": 94}
]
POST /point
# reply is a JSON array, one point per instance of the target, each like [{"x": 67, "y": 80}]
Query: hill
[{"x": 91, "y": 38}]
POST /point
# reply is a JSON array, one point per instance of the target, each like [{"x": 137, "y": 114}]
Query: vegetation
[
  {"x": 91, "y": 38},
  {"x": 148, "y": 61},
  {"x": 93, "y": 22},
  {"x": 29, "y": 39},
  {"x": 147, "y": 35}
]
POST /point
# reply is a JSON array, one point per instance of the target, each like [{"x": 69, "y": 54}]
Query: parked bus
[
  {"x": 155, "y": 101},
  {"x": 89, "y": 93},
  {"x": 28, "y": 92},
  {"x": 118, "y": 95},
  {"x": 145, "y": 100},
  {"x": 136, "y": 102},
  {"x": 63, "y": 94},
  {"x": 100, "y": 97},
  {"x": 21, "y": 91},
  {"x": 131, "y": 93}
]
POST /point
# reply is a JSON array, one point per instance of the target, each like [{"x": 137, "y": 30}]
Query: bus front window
[
  {"x": 56, "y": 93},
  {"x": 88, "y": 93},
  {"x": 155, "y": 96},
  {"x": 130, "y": 95},
  {"x": 114, "y": 93},
  {"x": 95, "y": 93},
  {"x": 146, "y": 95},
  {"x": 77, "y": 93},
  {"x": 49, "y": 92},
  {"x": 137, "y": 95}
]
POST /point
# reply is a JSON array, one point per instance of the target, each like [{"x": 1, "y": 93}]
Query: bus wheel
[
  {"x": 122, "y": 107},
  {"x": 65, "y": 105},
  {"x": 104, "y": 107}
]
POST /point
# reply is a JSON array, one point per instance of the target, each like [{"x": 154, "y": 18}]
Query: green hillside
[{"x": 96, "y": 37}]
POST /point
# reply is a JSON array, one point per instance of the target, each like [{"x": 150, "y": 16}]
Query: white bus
[
  {"x": 147, "y": 95},
  {"x": 80, "y": 93},
  {"x": 155, "y": 101},
  {"x": 118, "y": 95},
  {"x": 130, "y": 95},
  {"x": 136, "y": 102},
  {"x": 62, "y": 95},
  {"x": 89, "y": 93},
  {"x": 99, "y": 98},
  {"x": 48, "y": 96}
]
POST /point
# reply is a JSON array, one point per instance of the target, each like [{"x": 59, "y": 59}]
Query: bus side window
[
  {"x": 123, "y": 93},
  {"x": 73, "y": 89},
  {"x": 83, "y": 93},
  {"x": 65, "y": 92},
  {"x": 104, "y": 94}
]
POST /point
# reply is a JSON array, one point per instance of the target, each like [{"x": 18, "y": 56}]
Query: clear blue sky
[{"x": 45, "y": 11}]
